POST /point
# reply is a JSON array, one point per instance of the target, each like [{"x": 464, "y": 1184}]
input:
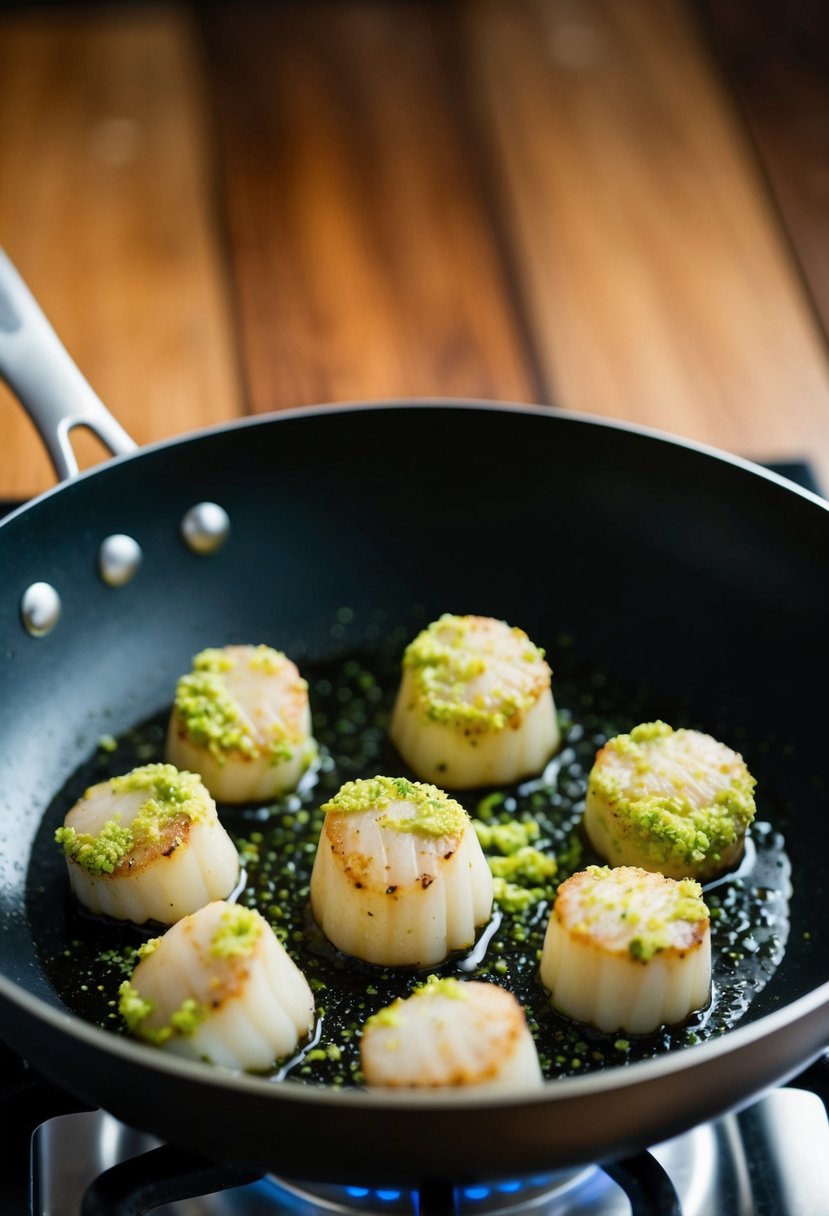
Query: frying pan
[{"x": 671, "y": 566}]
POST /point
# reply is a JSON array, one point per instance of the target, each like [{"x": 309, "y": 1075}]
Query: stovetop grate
[{"x": 768, "y": 1160}]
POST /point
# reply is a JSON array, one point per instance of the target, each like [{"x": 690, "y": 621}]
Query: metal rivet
[
  {"x": 205, "y": 527},
  {"x": 118, "y": 559},
  {"x": 40, "y": 609}
]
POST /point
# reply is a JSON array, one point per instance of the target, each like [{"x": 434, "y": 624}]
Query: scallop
[
  {"x": 627, "y": 949},
  {"x": 219, "y": 986},
  {"x": 475, "y": 704},
  {"x": 399, "y": 878},
  {"x": 675, "y": 801},
  {"x": 148, "y": 846},
  {"x": 450, "y": 1032},
  {"x": 242, "y": 720}
]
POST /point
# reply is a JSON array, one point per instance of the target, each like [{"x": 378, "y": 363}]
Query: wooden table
[{"x": 612, "y": 206}]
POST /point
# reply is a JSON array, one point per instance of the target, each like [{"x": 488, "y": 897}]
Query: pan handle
[{"x": 39, "y": 371}]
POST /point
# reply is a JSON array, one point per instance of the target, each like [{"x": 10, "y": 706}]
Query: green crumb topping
[
  {"x": 648, "y": 908},
  {"x": 506, "y": 838},
  {"x": 390, "y": 1016},
  {"x": 646, "y": 732},
  {"x": 514, "y": 898},
  {"x": 210, "y": 715},
  {"x": 266, "y": 659},
  {"x": 522, "y": 874},
  {"x": 670, "y": 828},
  {"x": 147, "y": 948},
  {"x": 172, "y": 793},
  {"x": 173, "y": 790},
  {"x": 281, "y": 752},
  {"x": 436, "y": 985},
  {"x": 527, "y": 867},
  {"x": 435, "y": 813},
  {"x": 188, "y": 1017},
  {"x": 107, "y": 743},
  {"x": 132, "y": 1006},
  {"x": 213, "y": 659},
  {"x": 445, "y": 660},
  {"x": 432, "y": 986},
  {"x": 239, "y": 930},
  {"x": 99, "y": 854},
  {"x": 135, "y": 1010}
]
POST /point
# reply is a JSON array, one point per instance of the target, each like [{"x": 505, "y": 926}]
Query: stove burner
[
  {"x": 509, "y": 1197},
  {"x": 769, "y": 1160}
]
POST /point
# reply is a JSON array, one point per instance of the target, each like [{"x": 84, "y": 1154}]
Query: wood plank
[
  {"x": 778, "y": 68},
  {"x": 106, "y": 211},
  {"x": 660, "y": 287},
  {"x": 364, "y": 259}
]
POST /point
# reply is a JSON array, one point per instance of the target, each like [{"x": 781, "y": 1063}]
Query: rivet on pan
[
  {"x": 205, "y": 527},
  {"x": 40, "y": 609},
  {"x": 118, "y": 559}
]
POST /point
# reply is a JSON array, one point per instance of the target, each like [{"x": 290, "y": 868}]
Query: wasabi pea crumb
[
  {"x": 527, "y": 866},
  {"x": 671, "y": 828},
  {"x": 266, "y": 659},
  {"x": 135, "y": 1010},
  {"x": 188, "y": 1017},
  {"x": 172, "y": 793},
  {"x": 239, "y": 930},
  {"x": 214, "y": 659},
  {"x": 613, "y": 892},
  {"x": 435, "y": 813},
  {"x": 99, "y": 854},
  {"x": 434, "y": 985},
  {"x": 514, "y": 898},
  {"x": 210, "y": 714},
  {"x": 444, "y": 661},
  {"x": 132, "y": 1006},
  {"x": 522, "y": 874},
  {"x": 507, "y": 838}
]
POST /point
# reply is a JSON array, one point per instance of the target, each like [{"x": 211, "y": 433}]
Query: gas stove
[{"x": 61, "y": 1158}]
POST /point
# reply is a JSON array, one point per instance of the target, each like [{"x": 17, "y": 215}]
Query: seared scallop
[
  {"x": 475, "y": 704},
  {"x": 450, "y": 1033},
  {"x": 627, "y": 949},
  {"x": 242, "y": 720},
  {"x": 399, "y": 877},
  {"x": 219, "y": 986},
  {"x": 675, "y": 801},
  {"x": 148, "y": 846}
]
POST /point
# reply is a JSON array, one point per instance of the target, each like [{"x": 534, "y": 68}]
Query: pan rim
[
  {"x": 394, "y": 404},
  {"x": 556, "y": 1090}
]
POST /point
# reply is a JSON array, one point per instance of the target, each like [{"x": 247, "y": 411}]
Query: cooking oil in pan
[{"x": 351, "y": 696}]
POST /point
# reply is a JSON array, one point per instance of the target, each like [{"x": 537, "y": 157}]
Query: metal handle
[{"x": 39, "y": 371}]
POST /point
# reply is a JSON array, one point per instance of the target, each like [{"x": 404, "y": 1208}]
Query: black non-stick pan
[{"x": 692, "y": 578}]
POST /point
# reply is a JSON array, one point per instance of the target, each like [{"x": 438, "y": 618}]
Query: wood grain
[
  {"x": 776, "y": 59},
  {"x": 532, "y": 200},
  {"x": 659, "y": 286},
  {"x": 106, "y": 209},
  {"x": 364, "y": 258}
]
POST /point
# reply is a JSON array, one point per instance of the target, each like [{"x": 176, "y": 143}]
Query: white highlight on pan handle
[{"x": 49, "y": 385}]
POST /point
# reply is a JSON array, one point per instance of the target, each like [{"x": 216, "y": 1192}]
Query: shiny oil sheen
[{"x": 351, "y": 697}]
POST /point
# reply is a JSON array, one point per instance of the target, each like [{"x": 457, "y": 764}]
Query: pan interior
[
  {"x": 86, "y": 959},
  {"x": 679, "y": 581}
]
